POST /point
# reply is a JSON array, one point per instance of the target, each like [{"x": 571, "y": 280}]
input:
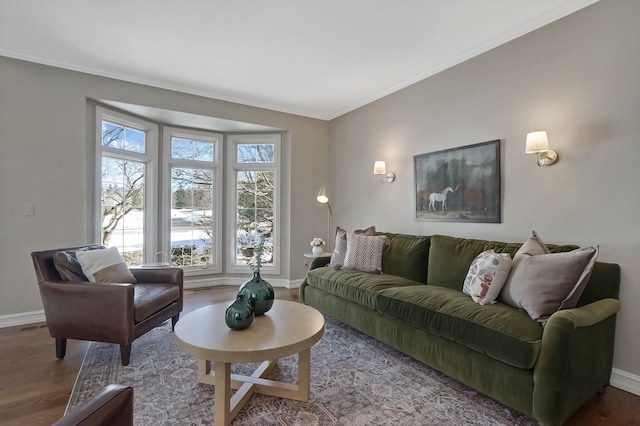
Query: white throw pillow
[
  {"x": 104, "y": 266},
  {"x": 487, "y": 275},
  {"x": 364, "y": 253}
]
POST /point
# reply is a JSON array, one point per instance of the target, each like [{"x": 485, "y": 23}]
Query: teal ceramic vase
[
  {"x": 239, "y": 315},
  {"x": 259, "y": 293}
]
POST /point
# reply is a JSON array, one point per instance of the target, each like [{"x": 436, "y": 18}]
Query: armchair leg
[
  {"x": 174, "y": 320},
  {"x": 61, "y": 347},
  {"x": 125, "y": 354}
]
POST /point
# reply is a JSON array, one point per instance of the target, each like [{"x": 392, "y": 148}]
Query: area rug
[{"x": 355, "y": 380}]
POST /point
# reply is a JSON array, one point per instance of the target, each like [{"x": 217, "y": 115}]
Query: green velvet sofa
[{"x": 417, "y": 306}]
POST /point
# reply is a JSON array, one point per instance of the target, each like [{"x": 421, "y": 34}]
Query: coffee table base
[{"x": 227, "y": 407}]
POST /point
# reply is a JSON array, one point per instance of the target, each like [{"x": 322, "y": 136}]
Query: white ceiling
[{"x": 316, "y": 58}]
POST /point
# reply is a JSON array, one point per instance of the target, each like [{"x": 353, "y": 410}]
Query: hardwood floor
[{"x": 35, "y": 386}]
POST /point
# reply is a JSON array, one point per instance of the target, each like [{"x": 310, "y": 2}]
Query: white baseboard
[
  {"x": 21, "y": 318},
  {"x": 193, "y": 283},
  {"x": 626, "y": 381}
]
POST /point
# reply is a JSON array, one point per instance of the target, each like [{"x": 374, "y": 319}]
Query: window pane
[
  {"x": 121, "y": 137},
  {"x": 122, "y": 206},
  {"x": 256, "y": 153},
  {"x": 187, "y": 149},
  {"x": 134, "y": 140},
  {"x": 255, "y": 213},
  {"x": 191, "y": 216}
]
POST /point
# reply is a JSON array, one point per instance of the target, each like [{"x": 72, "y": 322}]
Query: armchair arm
[
  {"x": 112, "y": 405},
  {"x": 89, "y": 311},
  {"x": 161, "y": 275},
  {"x": 575, "y": 360}
]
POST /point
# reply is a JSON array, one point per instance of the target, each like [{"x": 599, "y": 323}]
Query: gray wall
[
  {"x": 46, "y": 139},
  {"x": 578, "y": 79}
]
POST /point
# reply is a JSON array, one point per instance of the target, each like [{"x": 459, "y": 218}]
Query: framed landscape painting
[{"x": 459, "y": 184}]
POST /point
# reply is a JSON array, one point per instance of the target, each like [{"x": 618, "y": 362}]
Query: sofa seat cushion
[
  {"x": 356, "y": 286},
  {"x": 497, "y": 330},
  {"x": 150, "y": 298}
]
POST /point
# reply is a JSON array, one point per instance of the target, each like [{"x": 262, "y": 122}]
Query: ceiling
[{"x": 315, "y": 58}]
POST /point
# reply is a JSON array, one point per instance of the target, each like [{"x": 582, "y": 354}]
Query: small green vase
[
  {"x": 239, "y": 315},
  {"x": 259, "y": 293}
]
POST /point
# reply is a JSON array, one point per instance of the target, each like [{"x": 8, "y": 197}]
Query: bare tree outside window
[
  {"x": 192, "y": 202},
  {"x": 122, "y": 193},
  {"x": 255, "y": 198}
]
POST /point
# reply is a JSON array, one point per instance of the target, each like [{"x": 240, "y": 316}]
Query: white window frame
[
  {"x": 233, "y": 167},
  {"x": 149, "y": 158},
  {"x": 216, "y": 165}
]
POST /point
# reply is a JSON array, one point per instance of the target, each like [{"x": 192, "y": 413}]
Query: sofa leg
[
  {"x": 174, "y": 320},
  {"x": 61, "y": 347},
  {"x": 602, "y": 389},
  {"x": 125, "y": 354}
]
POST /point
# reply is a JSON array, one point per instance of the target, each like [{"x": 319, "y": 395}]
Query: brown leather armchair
[
  {"x": 106, "y": 312},
  {"x": 112, "y": 405}
]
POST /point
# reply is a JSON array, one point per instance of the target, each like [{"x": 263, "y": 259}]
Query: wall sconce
[
  {"x": 380, "y": 168},
  {"x": 537, "y": 143}
]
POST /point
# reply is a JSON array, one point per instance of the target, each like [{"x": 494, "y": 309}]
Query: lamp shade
[
  {"x": 536, "y": 142},
  {"x": 322, "y": 195},
  {"x": 379, "y": 168}
]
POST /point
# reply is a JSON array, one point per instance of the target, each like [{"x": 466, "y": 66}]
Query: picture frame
[{"x": 459, "y": 184}]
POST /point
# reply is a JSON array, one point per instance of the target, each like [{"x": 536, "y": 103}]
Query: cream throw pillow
[
  {"x": 364, "y": 253},
  {"x": 104, "y": 266},
  {"x": 487, "y": 275}
]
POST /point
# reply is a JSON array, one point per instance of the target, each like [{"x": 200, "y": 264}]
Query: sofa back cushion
[
  {"x": 603, "y": 283},
  {"x": 451, "y": 257},
  {"x": 406, "y": 256}
]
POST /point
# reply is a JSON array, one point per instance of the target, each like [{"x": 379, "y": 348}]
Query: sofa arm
[
  {"x": 112, "y": 405},
  {"x": 319, "y": 262},
  {"x": 575, "y": 360},
  {"x": 89, "y": 311}
]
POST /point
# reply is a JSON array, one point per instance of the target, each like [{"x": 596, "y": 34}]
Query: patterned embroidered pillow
[
  {"x": 364, "y": 253},
  {"x": 487, "y": 275}
]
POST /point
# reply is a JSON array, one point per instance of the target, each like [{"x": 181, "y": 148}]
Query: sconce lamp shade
[
  {"x": 379, "y": 168},
  {"x": 322, "y": 195},
  {"x": 536, "y": 142}
]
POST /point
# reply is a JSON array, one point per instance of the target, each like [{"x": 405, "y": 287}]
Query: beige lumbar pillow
[
  {"x": 542, "y": 284},
  {"x": 104, "y": 266}
]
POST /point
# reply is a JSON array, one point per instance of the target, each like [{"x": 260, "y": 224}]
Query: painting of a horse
[{"x": 459, "y": 184}]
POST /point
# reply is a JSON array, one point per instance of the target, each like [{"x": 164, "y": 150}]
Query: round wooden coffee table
[{"x": 288, "y": 328}]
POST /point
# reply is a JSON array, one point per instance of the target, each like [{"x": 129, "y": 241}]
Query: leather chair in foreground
[
  {"x": 106, "y": 312},
  {"x": 112, "y": 405}
]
